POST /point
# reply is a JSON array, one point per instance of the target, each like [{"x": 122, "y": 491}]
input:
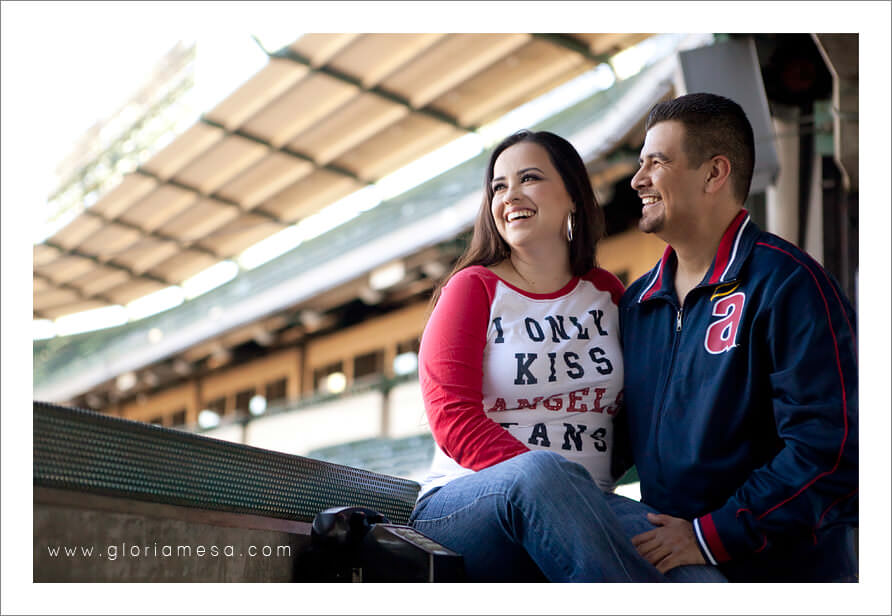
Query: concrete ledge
[{"x": 81, "y": 537}]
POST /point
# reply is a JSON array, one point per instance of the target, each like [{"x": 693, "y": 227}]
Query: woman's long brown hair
[{"x": 488, "y": 248}]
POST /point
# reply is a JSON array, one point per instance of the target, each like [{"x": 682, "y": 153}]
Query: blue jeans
[
  {"x": 632, "y": 517},
  {"x": 536, "y": 516}
]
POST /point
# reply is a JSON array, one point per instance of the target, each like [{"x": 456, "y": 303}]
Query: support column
[
  {"x": 385, "y": 431},
  {"x": 388, "y": 373},
  {"x": 782, "y": 198},
  {"x": 195, "y": 405},
  {"x": 814, "y": 231},
  {"x": 295, "y": 374}
]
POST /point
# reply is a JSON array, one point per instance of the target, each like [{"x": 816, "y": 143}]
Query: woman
[{"x": 521, "y": 373}]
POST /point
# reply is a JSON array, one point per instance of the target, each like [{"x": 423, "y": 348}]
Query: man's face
[{"x": 669, "y": 189}]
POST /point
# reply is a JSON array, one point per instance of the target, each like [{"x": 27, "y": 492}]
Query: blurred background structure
[{"x": 262, "y": 274}]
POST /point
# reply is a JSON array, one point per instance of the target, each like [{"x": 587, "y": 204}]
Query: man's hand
[{"x": 669, "y": 545}]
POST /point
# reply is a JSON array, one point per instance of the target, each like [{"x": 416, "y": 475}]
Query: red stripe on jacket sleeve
[
  {"x": 842, "y": 385},
  {"x": 711, "y": 536},
  {"x": 451, "y": 374}
]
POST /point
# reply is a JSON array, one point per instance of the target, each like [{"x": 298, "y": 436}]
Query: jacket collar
[{"x": 734, "y": 247}]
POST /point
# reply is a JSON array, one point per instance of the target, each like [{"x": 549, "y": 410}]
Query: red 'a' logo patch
[{"x": 721, "y": 335}]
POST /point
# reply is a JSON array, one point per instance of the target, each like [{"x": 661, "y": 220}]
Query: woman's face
[{"x": 530, "y": 203}]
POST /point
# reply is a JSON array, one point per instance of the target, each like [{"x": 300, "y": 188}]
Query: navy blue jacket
[{"x": 742, "y": 407}]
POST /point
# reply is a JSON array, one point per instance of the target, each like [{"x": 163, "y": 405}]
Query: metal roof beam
[
  {"x": 155, "y": 234},
  {"x": 214, "y": 196},
  {"x": 71, "y": 287},
  {"x": 133, "y": 273},
  {"x": 574, "y": 45},
  {"x": 290, "y": 54},
  {"x": 288, "y": 152}
]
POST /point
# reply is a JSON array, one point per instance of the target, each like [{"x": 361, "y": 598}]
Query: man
[{"x": 740, "y": 370}]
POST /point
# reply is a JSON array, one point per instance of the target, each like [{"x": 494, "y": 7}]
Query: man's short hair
[{"x": 713, "y": 125}]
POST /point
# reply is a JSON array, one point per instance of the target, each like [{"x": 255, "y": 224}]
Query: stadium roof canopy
[
  {"x": 327, "y": 115},
  {"x": 327, "y": 281}
]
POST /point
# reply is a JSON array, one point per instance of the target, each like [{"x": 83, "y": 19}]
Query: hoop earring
[{"x": 570, "y": 227}]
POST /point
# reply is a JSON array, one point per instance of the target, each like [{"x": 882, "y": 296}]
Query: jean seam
[
  {"x": 608, "y": 539},
  {"x": 467, "y": 506},
  {"x": 532, "y": 523}
]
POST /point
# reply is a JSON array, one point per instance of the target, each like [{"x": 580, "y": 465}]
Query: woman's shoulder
[
  {"x": 606, "y": 281},
  {"x": 472, "y": 279},
  {"x": 475, "y": 270},
  {"x": 474, "y": 274},
  {"x": 468, "y": 291}
]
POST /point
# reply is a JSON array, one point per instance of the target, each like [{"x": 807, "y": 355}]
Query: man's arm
[
  {"x": 671, "y": 544},
  {"x": 812, "y": 480},
  {"x": 810, "y": 348}
]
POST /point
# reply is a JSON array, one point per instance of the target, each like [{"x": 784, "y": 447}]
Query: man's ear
[{"x": 718, "y": 172}]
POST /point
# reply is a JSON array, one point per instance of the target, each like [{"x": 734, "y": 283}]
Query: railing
[
  {"x": 118, "y": 500},
  {"x": 88, "y": 452}
]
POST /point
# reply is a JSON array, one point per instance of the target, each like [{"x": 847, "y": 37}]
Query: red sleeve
[
  {"x": 451, "y": 375},
  {"x": 605, "y": 281}
]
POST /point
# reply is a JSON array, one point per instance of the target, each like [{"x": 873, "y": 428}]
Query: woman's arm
[{"x": 451, "y": 376}]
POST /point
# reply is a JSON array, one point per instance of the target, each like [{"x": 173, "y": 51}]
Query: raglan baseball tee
[{"x": 504, "y": 371}]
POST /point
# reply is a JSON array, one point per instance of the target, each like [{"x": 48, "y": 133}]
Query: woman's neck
[{"x": 541, "y": 275}]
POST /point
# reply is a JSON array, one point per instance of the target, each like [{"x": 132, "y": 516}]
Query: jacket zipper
[
  {"x": 679, "y": 315},
  {"x": 664, "y": 389}
]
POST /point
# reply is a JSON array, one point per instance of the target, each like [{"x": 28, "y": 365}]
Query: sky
[
  {"x": 67, "y": 64},
  {"x": 87, "y": 61}
]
